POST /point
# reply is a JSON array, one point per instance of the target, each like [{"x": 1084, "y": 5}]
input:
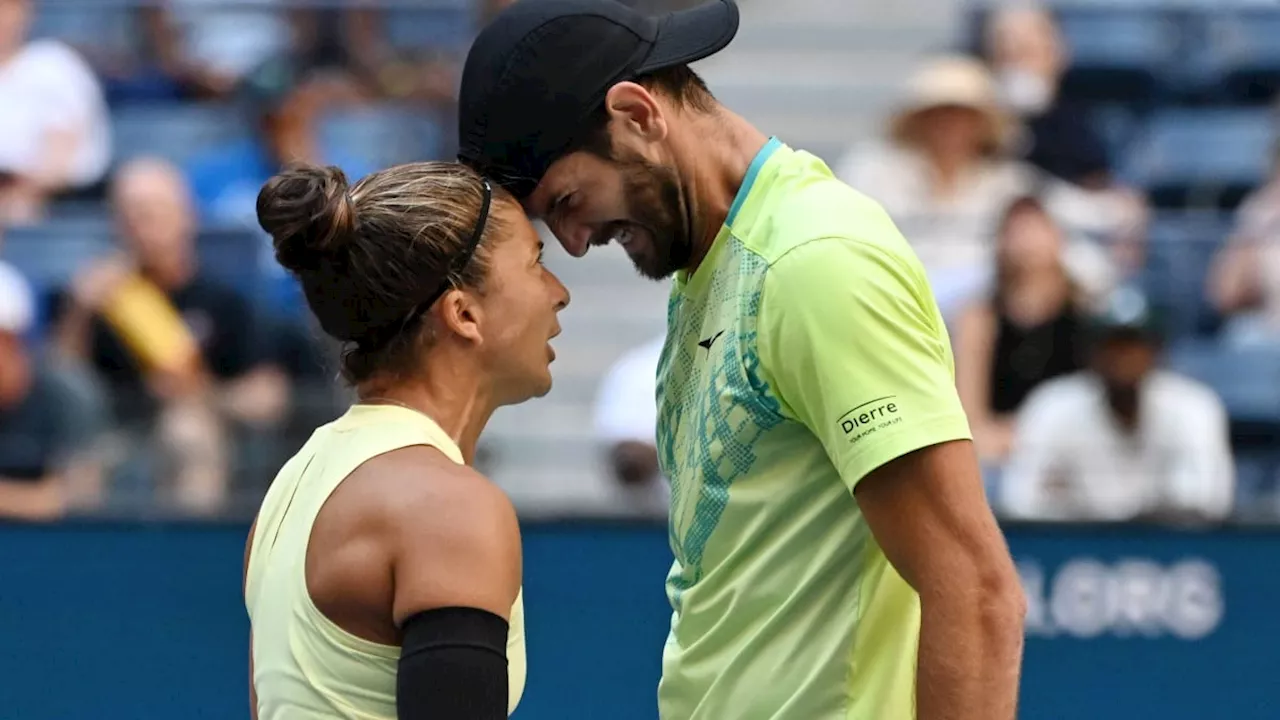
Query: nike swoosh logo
[{"x": 706, "y": 344}]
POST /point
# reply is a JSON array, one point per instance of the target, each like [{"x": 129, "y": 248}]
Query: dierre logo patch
[{"x": 870, "y": 417}]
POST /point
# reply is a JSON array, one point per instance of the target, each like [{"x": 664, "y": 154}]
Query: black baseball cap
[
  {"x": 1127, "y": 312},
  {"x": 535, "y": 75}
]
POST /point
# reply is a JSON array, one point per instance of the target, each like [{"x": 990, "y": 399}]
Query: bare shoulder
[
  {"x": 453, "y": 535},
  {"x": 420, "y": 483}
]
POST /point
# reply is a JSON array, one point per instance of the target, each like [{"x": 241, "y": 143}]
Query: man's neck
[
  {"x": 1125, "y": 406},
  {"x": 719, "y": 148}
]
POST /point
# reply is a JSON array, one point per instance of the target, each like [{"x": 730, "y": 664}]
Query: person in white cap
[
  {"x": 45, "y": 428},
  {"x": 626, "y": 422}
]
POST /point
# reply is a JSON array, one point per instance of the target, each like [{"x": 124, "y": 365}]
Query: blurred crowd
[
  {"x": 138, "y": 374},
  {"x": 153, "y": 370}
]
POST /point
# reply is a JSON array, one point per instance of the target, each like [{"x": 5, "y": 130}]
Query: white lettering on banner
[{"x": 1086, "y": 598}]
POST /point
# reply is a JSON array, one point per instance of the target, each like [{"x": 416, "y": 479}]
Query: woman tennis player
[{"x": 383, "y": 574}]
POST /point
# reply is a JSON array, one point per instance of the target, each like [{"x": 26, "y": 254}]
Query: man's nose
[{"x": 575, "y": 240}]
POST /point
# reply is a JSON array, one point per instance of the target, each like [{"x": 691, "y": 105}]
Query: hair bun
[{"x": 310, "y": 215}]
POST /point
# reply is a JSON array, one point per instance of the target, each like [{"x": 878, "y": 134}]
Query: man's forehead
[
  {"x": 536, "y": 204},
  {"x": 560, "y": 172}
]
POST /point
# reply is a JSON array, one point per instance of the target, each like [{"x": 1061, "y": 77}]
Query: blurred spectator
[
  {"x": 1245, "y": 279},
  {"x": 1029, "y": 58},
  {"x": 284, "y": 109},
  {"x": 1027, "y": 332},
  {"x": 946, "y": 176},
  {"x": 208, "y": 46},
  {"x": 1123, "y": 440},
  {"x": 489, "y": 9},
  {"x": 47, "y": 435},
  {"x": 626, "y": 420},
  {"x": 177, "y": 348},
  {"x": 418, "y": 72},
  {"x": 54, "y": 130}
]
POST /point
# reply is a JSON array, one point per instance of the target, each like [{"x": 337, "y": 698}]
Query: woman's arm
[
  {"x": 975, "y": 344},
  {"x": 456, "y": 563},
  {"x": 1233, "y": 280}
]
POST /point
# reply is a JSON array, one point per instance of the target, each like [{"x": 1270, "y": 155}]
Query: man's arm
[
  {"x": 928, "y": 513},
  {"x": 852, "y": 343}
]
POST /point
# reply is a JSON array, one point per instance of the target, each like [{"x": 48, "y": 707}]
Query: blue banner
[{"x": 143, "y": 622}]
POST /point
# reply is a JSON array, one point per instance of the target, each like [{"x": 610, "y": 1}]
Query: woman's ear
[{"x": 460, "y": 315}]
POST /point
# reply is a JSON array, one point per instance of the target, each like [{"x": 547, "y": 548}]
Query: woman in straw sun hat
[{"x": 947, "y": 170}]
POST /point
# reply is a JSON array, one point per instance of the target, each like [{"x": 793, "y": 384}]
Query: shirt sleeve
[{"x": 852, "y": 344}]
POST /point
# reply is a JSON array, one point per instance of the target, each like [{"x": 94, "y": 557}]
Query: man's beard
[{"x": 655, "y": 203}]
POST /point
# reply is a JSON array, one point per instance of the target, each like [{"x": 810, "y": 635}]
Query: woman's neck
[
  {"x": 461, "y": 407},
  {"x": 947, "y": 171},
  {"x": 1035, "y": 297}
]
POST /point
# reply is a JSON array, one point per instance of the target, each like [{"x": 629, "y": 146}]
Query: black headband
[{"x": 456, "y": 265}]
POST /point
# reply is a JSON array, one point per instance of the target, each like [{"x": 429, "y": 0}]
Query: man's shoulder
[
  {"x": 48, "y": 56},
  {"x": 822, "y": 208},
  {"x": 1182, "y": 394},
  {"x": 210, "y": 304},
  {"x": 46, "y": 50}
]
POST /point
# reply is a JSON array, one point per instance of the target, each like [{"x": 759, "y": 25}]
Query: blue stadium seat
[
  {"x": 1180, "y": 250},
  {"x": 175, "y": 132},
  {"x": 446, "y": 25},
  {"x": 1247, "y": 379},
  {"x": 97, "y": 27},
  {"x": 381, "y": 136},
  {"x": 51, "y": 253},
  {"x": 1257, "y": 472},
  {"x": 1243, "y": 54},
  {"x": 1194, "y": 157},
  {"x": 1120, "y": 55},
  {"x": 1116, "y": 124}
]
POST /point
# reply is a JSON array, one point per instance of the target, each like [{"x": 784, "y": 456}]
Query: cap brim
[{"x": 691, "y": 35}]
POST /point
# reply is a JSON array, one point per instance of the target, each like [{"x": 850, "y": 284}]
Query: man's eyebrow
[{"x": 555, "y": 207}]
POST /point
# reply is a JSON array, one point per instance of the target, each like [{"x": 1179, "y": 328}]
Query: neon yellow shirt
[
  {"x": 805, "y": 352},
  {"x": 304, "y": 665}
]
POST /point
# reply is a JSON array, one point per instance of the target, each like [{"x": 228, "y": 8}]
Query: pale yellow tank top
[{"x": 305, "y": 666}]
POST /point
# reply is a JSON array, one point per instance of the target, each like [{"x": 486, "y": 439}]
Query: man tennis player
[{"x": 835, "y": 556}]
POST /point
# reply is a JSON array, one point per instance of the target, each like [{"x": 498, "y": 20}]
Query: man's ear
[{"x": 635, "y": 112}]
